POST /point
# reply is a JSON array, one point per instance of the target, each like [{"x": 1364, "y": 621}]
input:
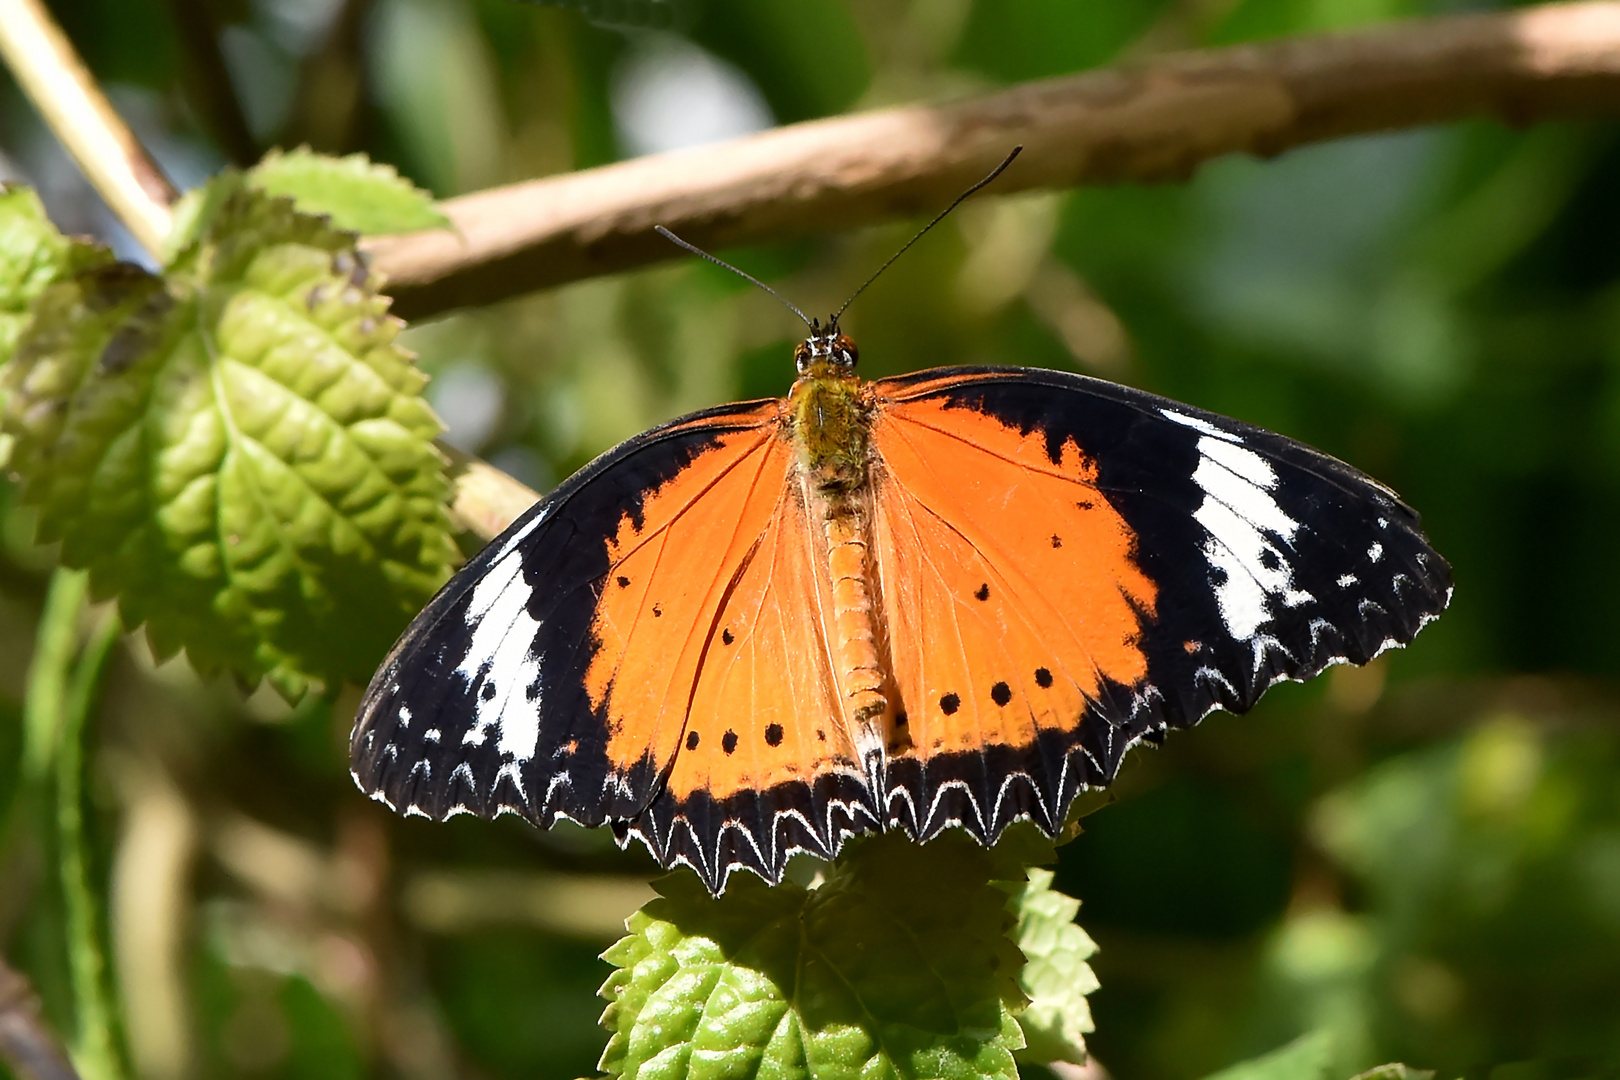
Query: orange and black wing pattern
[
  {"x": 642, "y": 649},
  {"x": 1056, "y": 568},
  {"x": 1068, "y": 567},
  {"x": 551, "y": 676}
]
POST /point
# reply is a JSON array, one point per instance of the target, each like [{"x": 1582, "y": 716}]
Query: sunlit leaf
[
  {"x": 33, "y": 256},
  {"x": 355, "y": 192},
  {"x": 899, "y": 965},
  {"x": 238, "y": 451},
  {"x": 1055, "y": 975}
]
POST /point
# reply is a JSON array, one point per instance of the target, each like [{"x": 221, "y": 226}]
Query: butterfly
[{"x": 950, "y": 598}]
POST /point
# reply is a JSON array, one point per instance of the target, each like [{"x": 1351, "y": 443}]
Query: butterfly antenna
[
  {"x": 694, "y": 249},
  {"x": 997, "y": 171}
]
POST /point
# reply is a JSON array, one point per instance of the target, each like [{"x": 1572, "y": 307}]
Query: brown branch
[
  {"x": 73, "y": 106},
  {"x": 1143, "y": 122},
  {"x": 27, "y": 1045}
]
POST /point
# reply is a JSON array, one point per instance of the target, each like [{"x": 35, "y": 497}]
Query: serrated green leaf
[
  {"x": 238, "y": 450},
  {"x": 354, "y": 191},
  {"x": 33, "y": 257},
  {"x": 1055, "y": 976},
  {"x": 899, "y": 965},
  {"x": 195, "y": 211},
  {"x": 1306, "y": 1058}
]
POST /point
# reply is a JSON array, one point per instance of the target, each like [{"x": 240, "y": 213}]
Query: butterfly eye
[
  {"x": 848, "y": 354},
  {"x": 802, "y": 356}
]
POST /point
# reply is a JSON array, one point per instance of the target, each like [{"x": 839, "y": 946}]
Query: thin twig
[
  {"x": 1150, "y": 121},
  {"x": 486, "y": 500},
  {"x": 73, "y": 106},
  {"x": 27, "y": 1044}
]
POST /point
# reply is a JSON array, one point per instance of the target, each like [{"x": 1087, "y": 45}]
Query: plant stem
[
  {"x": 93, "y": 1050},
  {"x": 75, "y": 109},
  {"x": 55, "y": 642},
  {"x": 62, "y": 687}
]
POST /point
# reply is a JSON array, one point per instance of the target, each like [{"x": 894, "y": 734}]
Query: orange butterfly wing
[
  {"x": 552, "y": 675},
  {"x": 1012, "y": 601},
  {"x": 644, "y": 648},
  {"x": 1068, "y": 567},
  {"x": 1058, "y": 568},
  {"x": 766, "y": 766}
]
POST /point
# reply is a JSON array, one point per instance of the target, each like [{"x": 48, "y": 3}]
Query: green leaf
[
  {"x": 238, "y": 450},
  {"x": 899, "y": 965},
  {"x": 1055, "y": 976},
  {"x": 1306, "y": 1058},
  {"x": 355, "y": 192},
  {"x": 33, "y": 257},
  {"x": 1395, "y": 1071}
]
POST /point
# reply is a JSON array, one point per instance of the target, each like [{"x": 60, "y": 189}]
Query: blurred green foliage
[{"x": 1416, "y": 862}]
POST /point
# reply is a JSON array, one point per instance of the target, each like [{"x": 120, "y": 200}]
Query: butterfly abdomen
[
  {"x": 859, "y": 668},
  {"x": 831, "y": 438}
]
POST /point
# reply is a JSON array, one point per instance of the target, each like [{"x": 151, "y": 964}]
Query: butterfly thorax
[
  {"x": 829, "y": 430},
  {"x": 829, "y": 416}
]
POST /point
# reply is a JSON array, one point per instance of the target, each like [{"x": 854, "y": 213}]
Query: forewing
[
  {"x": 551, "y": 675},
  {"x": 1068, "y": 566}
]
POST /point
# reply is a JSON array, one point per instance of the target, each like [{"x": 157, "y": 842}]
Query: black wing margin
[
  {"x": 481, "y": 707},
  {"x": 1271, "y": 560}
]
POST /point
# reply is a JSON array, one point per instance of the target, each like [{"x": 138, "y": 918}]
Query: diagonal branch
[
  {"x": 1143, "y": 122},
  {"x": 55, "y": 80}
]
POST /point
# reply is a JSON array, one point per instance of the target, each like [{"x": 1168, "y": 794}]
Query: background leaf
[
  {"x": 354, "y": 191},
  {"x": 1306, "y": 1058},
  {"x": 1395, "y": 1071},
  {"x": 237, "y": 452}
]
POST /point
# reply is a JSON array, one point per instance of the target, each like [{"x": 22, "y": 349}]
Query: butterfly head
[{"x": 827, "y": 351}]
